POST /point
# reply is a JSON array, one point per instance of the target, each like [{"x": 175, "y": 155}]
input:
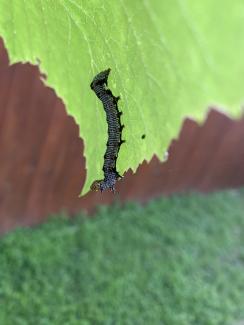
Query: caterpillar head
[
  {"x": 101, "y": 185},
  {"x": 96, "y": 185}
]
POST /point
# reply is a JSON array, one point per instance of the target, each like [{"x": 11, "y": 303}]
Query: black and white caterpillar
[{"x": 110, "y": 105}]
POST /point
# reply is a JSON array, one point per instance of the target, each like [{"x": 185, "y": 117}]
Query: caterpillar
[{"x": 110, "y": 105}]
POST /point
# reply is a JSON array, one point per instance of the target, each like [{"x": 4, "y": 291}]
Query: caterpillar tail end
[{"x": 101, "y": 78}]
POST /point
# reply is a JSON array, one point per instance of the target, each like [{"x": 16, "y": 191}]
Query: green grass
[{"x": 177, "y": 260}]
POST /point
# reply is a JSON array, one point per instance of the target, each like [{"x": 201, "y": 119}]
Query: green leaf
[{"x": 169, "y": 59}]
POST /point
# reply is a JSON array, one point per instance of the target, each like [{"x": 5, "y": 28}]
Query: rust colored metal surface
[{"x": 42, "y": 168}]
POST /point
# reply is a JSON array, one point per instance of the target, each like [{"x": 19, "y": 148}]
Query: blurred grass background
[{"x": 176, "y": 260}]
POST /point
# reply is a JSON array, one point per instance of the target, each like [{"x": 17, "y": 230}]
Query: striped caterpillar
[{"x": 99, "y": 86}]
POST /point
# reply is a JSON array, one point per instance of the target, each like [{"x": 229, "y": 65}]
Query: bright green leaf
[{"x": 169, "y": 59}]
